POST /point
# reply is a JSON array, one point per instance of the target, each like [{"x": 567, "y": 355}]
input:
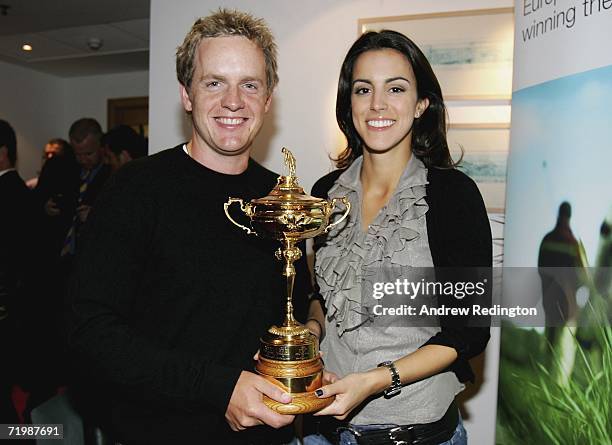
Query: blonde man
[{"x": 170, "y": 299}]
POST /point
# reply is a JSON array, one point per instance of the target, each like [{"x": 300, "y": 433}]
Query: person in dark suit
[
  {"x": 122, "y": 144},
  {"x": 85, "y": 183},
  {"x": 54, "y": 148},
  {"x": 67, "y": 189},
  {"x": 15, "y": 246},
  {"x": 57, "y": 181}
]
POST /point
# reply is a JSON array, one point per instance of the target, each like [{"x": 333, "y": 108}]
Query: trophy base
[
  {"x": 299, "y": 378},
  {"x": 302, "y": 403}
]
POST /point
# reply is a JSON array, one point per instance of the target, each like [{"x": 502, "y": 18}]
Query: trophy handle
[
  {"x": 244, "y": 210},
  {"x": 346, "y": 203}
]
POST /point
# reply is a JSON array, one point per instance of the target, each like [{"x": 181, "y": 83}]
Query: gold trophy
[{"x": 289, "y": 354}]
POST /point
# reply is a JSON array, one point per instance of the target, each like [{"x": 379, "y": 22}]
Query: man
[
  {"x": 603, "y": 273},
  {"x": 67, "y": 189},
  {"x": 72, "y": 207},
  {"x": 170, "y": 299},
  {"x": 122, "y": 145},
  {"x": 14, "y": 197},
  {"x": 559, "y": 249},
  {"x": 16, "y": 232},
  {"x": 55, "y": 147},
  {"x": 560, "y": 266}
]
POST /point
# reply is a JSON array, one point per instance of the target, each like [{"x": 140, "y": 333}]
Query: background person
[
  {"x": 561, "y": 269},
  {"x": 75, "y": 187},
  {"x": 55, "y": 147},
  {"x": 57, "y": 181},
  {"x": 85, "y": 138},
  {"x": 67, "y": 189},
  {"x": 413, "y": 209},
  {"x": 17, "y": 260},
  {"x": 121, "y": 145}
]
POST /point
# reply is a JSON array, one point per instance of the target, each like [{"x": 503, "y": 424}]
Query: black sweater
[
  {"x": 169, "y": 298},
  {"x": 459, "y": 235}
]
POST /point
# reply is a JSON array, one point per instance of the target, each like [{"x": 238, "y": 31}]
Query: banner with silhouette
[{"x": 555, "y": 381}]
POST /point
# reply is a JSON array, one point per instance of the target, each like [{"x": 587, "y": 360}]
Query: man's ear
[
  {"x": 185, "y": 99},
  {"x": 4, "y": 159},
  {"x": 124, "y": 156},
  {"x": 268, "y": 103}
]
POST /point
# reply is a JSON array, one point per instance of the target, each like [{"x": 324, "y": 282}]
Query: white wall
[
  {"x": 87, "y": 96},
  {"x": 313, "y": 38},
  {"x": 41, "y": 106},
  {"x": 31, "y": 102}
]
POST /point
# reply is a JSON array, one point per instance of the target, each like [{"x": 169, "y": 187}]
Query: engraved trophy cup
[{"x": 289, "y": 354}]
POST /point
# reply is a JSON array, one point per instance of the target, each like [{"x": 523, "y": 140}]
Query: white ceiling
[{"x": 59, "y": 31}]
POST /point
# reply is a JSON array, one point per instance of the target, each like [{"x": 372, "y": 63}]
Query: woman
[{"x": 412, "y": 210}]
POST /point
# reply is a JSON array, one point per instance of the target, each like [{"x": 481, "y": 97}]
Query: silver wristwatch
[{"x": 396, "y": 384}]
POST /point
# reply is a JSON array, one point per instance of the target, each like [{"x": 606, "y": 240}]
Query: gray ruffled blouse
[{"x": 345, "y": 259}]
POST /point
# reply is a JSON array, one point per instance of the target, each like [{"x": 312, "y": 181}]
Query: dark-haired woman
[{"x": 412, "y": 209}]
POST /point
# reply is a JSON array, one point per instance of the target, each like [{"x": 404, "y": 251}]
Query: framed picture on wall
[
  {"x": 132, "y": 111},
  {"x": 485, "y": 154},
  {"x": 470, "y": 51}
]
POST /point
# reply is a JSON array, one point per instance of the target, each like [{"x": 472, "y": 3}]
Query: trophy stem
[
  {"x": 290, "y": 253},
  {"x": 289, "y": 320}
]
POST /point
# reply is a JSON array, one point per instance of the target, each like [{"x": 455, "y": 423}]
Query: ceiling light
[{"x": 27, "y": 47}]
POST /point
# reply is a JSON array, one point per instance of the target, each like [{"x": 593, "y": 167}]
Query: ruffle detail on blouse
[{"x": 345, "y": 251}]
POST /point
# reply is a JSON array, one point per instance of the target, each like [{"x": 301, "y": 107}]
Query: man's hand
[
  {"x": 246, "y": 407},
  {"x": 329, "y": 377},
  {"x": 83, "y": 212},
  {"x": 315, "y": 327},
  {"x": 51, "y": 208}
]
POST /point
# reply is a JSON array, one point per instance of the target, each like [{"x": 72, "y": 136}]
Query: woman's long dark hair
[{"x": 428, "y": 131}]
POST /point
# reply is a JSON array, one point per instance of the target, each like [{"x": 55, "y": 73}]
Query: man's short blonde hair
[{"x": 225, "y": 23}]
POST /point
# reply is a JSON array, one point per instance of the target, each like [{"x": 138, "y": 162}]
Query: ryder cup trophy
[{"x": 289, "y": 354}]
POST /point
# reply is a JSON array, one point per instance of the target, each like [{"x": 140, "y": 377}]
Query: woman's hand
[{"x": 351, "y": 391}]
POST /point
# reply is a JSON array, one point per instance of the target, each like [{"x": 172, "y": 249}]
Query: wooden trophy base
[
  {"x": 299, "y": 378},
  {"x": 302, "y": 403}
]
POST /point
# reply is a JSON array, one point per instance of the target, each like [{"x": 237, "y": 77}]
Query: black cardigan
[{"x": 459, "y": 235}]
